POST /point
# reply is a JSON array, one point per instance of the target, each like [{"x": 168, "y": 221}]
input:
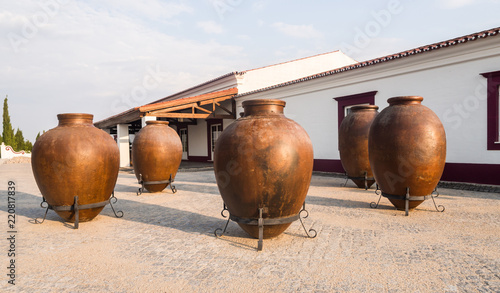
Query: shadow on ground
[{"x": 146, "y": 213}]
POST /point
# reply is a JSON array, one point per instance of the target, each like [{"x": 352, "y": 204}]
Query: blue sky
[{"x": 103, "y": 57}]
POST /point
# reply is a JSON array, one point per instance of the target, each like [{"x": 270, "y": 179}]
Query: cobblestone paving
[
  {"x": 470, "y": 186},
  {"x": 165, "y": 243}
]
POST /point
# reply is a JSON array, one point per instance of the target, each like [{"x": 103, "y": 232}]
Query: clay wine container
[
  {"x": 353, "y": 144},
  {"x": 407, "y": 148},
  {"x": 75, "y": 159},
  {"x": 263, "y": 160},
  {"x": 156, "y": 154}
]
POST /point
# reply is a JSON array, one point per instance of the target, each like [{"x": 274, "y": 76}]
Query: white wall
[
  {"x": 448, "y": 79},
  {"x": 7, "y": 152},
  {"x": 197, "y": 139},
  {"x": 275, "y": 74},
  {"x": 123, "y": 144}
]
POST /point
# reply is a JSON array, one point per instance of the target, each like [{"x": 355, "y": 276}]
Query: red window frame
[
  {"x": 345, "y": 101},
  {"x": 493, "y": 117}
]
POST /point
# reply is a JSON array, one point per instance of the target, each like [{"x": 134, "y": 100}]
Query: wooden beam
[
  {"x": 182, "y": 115},
  {"x": 221, "y": 116},
  {"x": 219, "y": 99},
  {"x": 122, "y": 118},
  {"x": 204, "y": 110},
  {"x": 178, "y": 108},
  {"x": 224, "y": 108},
  {"x": 224, "y": 94},
  {"x": 233, "y": 106}
]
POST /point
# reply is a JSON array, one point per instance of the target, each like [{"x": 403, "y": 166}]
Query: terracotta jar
[
  {"x": 75, "y": 159},
  {"x": 407, "y": 149},
  {"x": 263, "y": 160},
  {"x": 157, "y": 154},
  {"x": 353, "y": 144}
]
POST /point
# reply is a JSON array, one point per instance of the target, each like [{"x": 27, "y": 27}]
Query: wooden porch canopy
[{"x": 196, "y": 107}]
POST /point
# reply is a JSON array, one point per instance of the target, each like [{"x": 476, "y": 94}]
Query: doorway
[
  {"x": 215, "y": 131},
  {"x": 184, "y": 140}
]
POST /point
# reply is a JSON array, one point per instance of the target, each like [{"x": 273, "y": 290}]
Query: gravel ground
[
  {"x": 15, "y": 160},
  {"x": 165, "y": 243}
]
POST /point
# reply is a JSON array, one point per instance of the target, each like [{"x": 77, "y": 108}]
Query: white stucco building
[
  {"x": 459, "y": 80},
  {"x": 200, "y": 113}
]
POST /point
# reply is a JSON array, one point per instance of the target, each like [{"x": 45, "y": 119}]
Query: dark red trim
[
  {"x": 328, "y": 166},
  {"x": 472, "y": 173},
  {"x": 493, "y": 116},
  {"x": 211, "y": 122},
  {"x": 456, "y": 172},
  {"x": 362, "y": 98},
  {"x": 197, "y": 159}
]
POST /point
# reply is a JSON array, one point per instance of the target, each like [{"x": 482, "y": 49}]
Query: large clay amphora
[
  {"x": 75, "y": 159},
  {"x": 157, "y": 154},
  {"x": 407, "y": 149},
  {"x": 353, "y": 144},
  {"x": 263, "y": 160}
]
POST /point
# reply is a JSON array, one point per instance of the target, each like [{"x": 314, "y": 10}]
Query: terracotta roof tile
[{"x": 419, "y": 50}]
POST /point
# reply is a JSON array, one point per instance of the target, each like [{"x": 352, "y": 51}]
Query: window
[
  {"x": 216, "y": 131},
  {"x": 493, "y": 103},
  {"x": 183, "y": 135},
  {"x": 346, "y": 102}
]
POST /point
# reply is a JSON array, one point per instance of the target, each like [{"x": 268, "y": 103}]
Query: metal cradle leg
[
  {"x": 227, "y": 222},
  {"x": 407, "y": 201},
  {"x": 77, "y": 212},
  {"x": 374, "y": 205},
  {"x": 46, "y": 210},
  {"x": 261, "y": 230}
]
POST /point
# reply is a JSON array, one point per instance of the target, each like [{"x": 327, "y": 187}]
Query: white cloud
[
  {"x": 147, "y": 9},
  {"x": 453, "y": 4},
  {"x": 297, "y": 31},
  {"x": 244, "y": 37},
  {"x": 90, "y": 60},
  {"x": 210, "y": 27},
  {"x": 377, "y": 47},
  {"x": 259, "y": 5}
]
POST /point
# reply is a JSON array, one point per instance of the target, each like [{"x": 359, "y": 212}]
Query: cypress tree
[
  {"x": 28, "y": 146},
  {"x": 19, "y": 141},
  {"x": 8, "y": 131}
]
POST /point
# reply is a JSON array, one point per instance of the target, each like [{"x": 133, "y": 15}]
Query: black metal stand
[
  {"x": 77, "y": 207},
  {"x": 365, "y": 178},
  {"x": 407, "y": 198},
  {"x": 260, "y": 222},
  {"x": 142, "y": 183}
]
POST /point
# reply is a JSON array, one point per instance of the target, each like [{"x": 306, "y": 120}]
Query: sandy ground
[{"x": 165, "y": 243}]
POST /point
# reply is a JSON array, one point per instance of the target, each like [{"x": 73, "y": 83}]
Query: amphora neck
[
  {"x": 75, "y": 118},
  {"x": 263, "y": 107},
  {"x": 405, "y": 100}
]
